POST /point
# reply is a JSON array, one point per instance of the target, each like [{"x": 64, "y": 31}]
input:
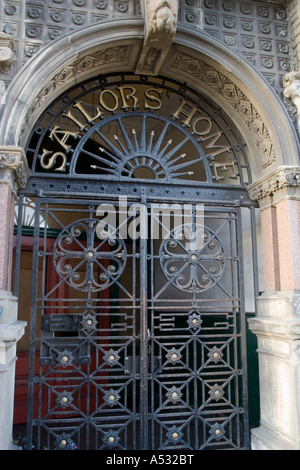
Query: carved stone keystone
[{"x": 160, "y": 18}]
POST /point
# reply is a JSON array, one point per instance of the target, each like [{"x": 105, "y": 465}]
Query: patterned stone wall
[
  {"x": 35, "y": 23},
  {"x": 257, "y": 30}
]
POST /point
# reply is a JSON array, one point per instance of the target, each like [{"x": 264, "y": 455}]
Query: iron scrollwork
[
  {"x": 192, "y": 260},
  {"x": 91, "y": 265}
]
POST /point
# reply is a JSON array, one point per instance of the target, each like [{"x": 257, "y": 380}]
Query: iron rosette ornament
[
  {"x": 86, "y": 262},
  {"x": 192, "y": 258}
]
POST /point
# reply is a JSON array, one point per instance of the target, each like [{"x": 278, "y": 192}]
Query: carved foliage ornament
[
  {"x": 112, "y": 55},
  {"x": 214, "y": 79},
  {"x": 13, "y": 159},
  {"x": 285, "y": 177}
]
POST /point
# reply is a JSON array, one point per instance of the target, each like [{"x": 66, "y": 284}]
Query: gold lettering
[
  {"x": 52, "y": 160},
  {"x": 65, "y": 135},
  {"x": 125, "y": 98},
  {"x": 74, "y": 119},
  {"x": 87, "y": 116},
  {"x": 205, "y": 130},
  {"x": 224, "y": 167},
  {"x": 153, "y": 98},
  {"x": 189, "y": 114},
  {"x": 114, "y": 97},
  {"x": 211, "y": 144}
]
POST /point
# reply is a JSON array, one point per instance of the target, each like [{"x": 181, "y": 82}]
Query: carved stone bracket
[
  {"x": 160, "y": 18},
  {"x": 291, "y": 83},
  {"x": 6, "y": 56},
  {"x": 283, "y": 183},
  {"x": 13, "y": 167},
  {"x": 6, "y": 50}
]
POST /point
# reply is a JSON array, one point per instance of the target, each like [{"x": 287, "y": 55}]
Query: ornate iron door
[{"x": 137, "y": 327}]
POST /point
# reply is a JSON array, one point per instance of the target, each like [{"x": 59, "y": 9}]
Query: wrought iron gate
[
  {"x": 137, "y": 311},
  {"x": 137, "y": 327}
]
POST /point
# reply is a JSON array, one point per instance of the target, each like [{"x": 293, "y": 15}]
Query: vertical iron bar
[
  {"x": 195, "y": 343},
  {"x": 242, "y": 315},
  {"x": 134, "y": 332},
  {"x": 234, "y": 234},
  {"x": 254, "y": 255},
  {"x": 31, "y": 368},
  {"x": 152, "y": 325},
  {"x": 144, "y": 345}
]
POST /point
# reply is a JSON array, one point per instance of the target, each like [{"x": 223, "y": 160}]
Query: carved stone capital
[
  {"x": 160, "y": 18},
  {"x": 13, "y": 167},
  {"x": 6, "y": 50},
  {"x": 283, "y": 183}
]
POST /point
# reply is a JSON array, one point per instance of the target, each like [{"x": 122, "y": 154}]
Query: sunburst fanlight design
[{"x": 140, "y": 146}]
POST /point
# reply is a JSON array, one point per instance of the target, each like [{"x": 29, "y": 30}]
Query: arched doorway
[
  {"x": 272, "y": 147},
  {"x": 138, "y": 335}
]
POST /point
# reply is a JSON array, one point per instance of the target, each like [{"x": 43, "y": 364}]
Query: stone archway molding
[{"x": 198, "y": 60}]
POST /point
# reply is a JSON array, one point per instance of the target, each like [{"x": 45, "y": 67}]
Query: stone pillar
[
  {"x": 277, "y": 325},
  {"x": 13, "y": 175}
]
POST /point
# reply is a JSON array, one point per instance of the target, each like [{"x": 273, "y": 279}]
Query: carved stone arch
[
  {"x": 256, "y": 109},
  {"x": 200, "y": 61}
]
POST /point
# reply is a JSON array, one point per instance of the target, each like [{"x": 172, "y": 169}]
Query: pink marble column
[
  {"x": 7, "y": 205},
  {"x": 277, "y": 323},
  {"x": 270, "y": 249},
  {"x": 13, "y": 175},
  {"x": 280, "y": 225},
  {"x": 288, "y": 227}
]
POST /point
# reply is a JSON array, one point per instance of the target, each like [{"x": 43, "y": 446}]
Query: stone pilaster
[
  {"x": 277, "y": 324},
  {"x": 11, "y": 330},
  {"x": 13, "y": 175}
]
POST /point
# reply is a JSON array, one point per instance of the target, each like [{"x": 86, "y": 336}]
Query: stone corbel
[
  {"x": 13, "y": 167},
  {"x": 6, "y": 56},
  {"x": 291, "y": 83},
  {"x": 160, "y": 18},
  {"x": 6, "y": 50}
]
